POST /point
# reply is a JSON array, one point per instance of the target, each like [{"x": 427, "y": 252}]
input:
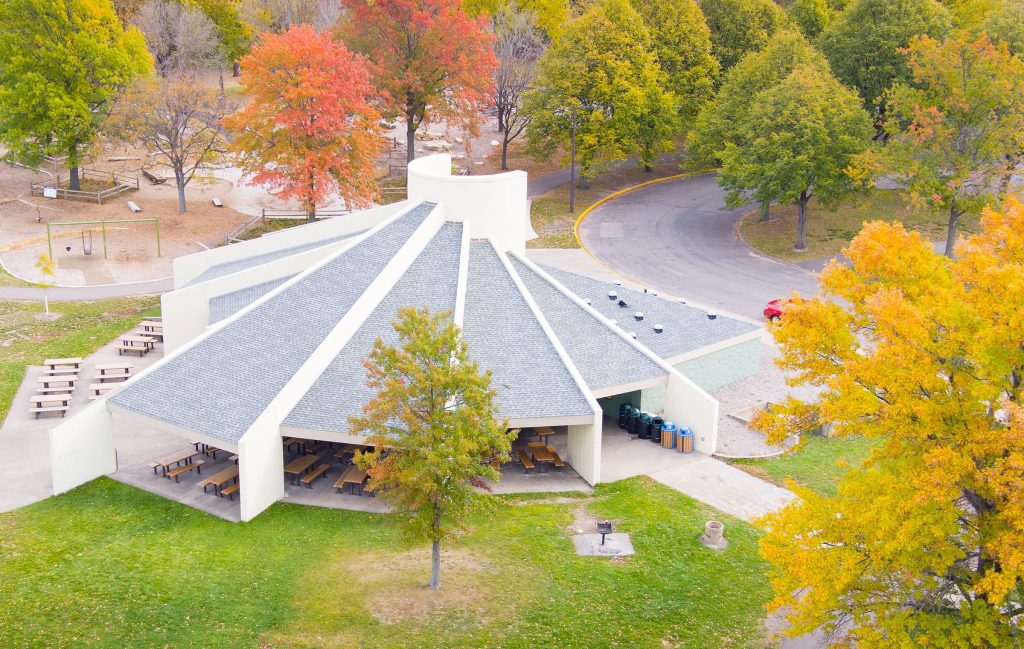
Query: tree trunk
[
  {"x": 74, "y": 183},
  {"x": 801, "y": 223},
  {"x": 954, "y": 219},
  {"x": 584, "y": 183},
  {"x": 504, "y": 153},
  {"x": 410, "y": 140},
  {"x": 435, "y": 557},
  {"x": 179, "y": 178},
  {"x": 764, "y": 211},
  {"x": 235, "y": 69},
  {"x": 220, "y": 79}
]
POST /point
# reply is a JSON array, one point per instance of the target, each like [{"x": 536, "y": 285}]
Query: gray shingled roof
[
  {"x": 229, "y": 267},
  {"x": 227, "y": 305},
  {"x": 686, "y": 328},
  {"x": 505, "y": 337},
  {"x": 224, "y": 382},
  {"x": 341, "y": 391},
  {"x": 602, "y": 357}
]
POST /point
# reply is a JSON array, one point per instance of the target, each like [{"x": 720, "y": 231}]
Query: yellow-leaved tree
[{"x": 924, "y": 543}]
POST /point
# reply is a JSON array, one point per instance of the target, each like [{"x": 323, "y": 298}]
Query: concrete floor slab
[{"x": 615, "y": 545}]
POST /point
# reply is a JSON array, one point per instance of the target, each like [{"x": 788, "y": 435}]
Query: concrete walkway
[{"x": 725, "y": 488}]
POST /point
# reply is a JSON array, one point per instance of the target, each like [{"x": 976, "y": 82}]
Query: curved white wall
[{"x": 494, "y": 206}]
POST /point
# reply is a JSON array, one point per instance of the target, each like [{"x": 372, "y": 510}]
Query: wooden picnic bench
[
  {"x": 300, "y": 465},
  {"x": 219, "y": 479},
  {"x": 230, "y": 491},
  {"x": 128, "y": 344},
  {"x": 217, "y": 202},
  {"x": 177, "y": 457},
  {"x": 557, "y": 461},
  {"x": 53, "y": 363},
  {"x": 316, "y": 447},
  {"x": 308, "y": 479},
  {"x": 294, "y": 441},
  {"x": 153, "y": 178},
  {"x": 60, "y": 371},
  {"x": 60, "y": 389},
  {"x": 524, "y": 459},
  {"x": 133, "y": 207},
  {"x": 103, "y": 368},
  {"x": 46, "y": 381},
  {"x": 100, "y": 389},
  {"x": 42, "y": 403},
  {"x": 541, "y": 454},
  {"x": 185, "y": 468},
  {"x": 352, "y": 476}
]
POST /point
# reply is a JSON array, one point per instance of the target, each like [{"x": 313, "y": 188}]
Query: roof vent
[
  {"x": 654, "y": 293},
  {"x": 632, "y": 334},
  {"x": 615, "y": 322},
  {"x": 622, "y": 303},
  {"x": 587, "y": 300},
  {"x": 712, "y": 315},
  {"x": 617, "y": 283},
  {"x": 612, "y": 295},
  {"x": 681, "y": 300},
  {"x": 639, "y": 315},
  {"x": 658, "y": 328}
]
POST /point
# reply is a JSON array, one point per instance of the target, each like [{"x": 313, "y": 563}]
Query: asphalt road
[{"x": 677, "y": 237}]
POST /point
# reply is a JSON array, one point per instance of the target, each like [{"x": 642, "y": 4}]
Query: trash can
[
  {"x": 634, "y": 422},
  {"x": 684, "y": 440},
  {"x": 624, "y": 411},
  {"x": 645, "y": 425},
  {"x": 668, "y": 434},
  {"x": 656, "y": 423}
]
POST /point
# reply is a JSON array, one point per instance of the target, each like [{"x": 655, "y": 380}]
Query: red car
[{"x": 774, "y": 309}]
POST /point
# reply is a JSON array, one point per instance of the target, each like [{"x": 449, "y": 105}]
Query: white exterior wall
[
  {"x": 688, "y": 405},
  {"x": 189, "y": 267},
  {"x": 82, "y": 448},
  {"x": 493, "y": 206},
  {"x": 585, "y": 449},
  {"x": 260, "y": 467}
]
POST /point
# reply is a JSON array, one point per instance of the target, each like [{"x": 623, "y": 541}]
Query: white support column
[
  {"x": 585, "y": 449},
  {"x": 82, "y": 448}
]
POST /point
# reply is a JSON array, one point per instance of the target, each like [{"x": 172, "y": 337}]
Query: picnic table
[
  {"x": 300, "y": 465},
  {"x": 542, "y": 454},
  {"x": 352, "y": 476},
  {"x": 112, "y": 371},
  {"x": 164, "y": 463},
  {"x": 54, "y": 363},
  {"x": 99, "y": 389},
  {"x": 154, "y": 330},
  {"x": 218, "y": 480},
  {"x": 48, "y": 383},
  {"x": 141, "y": 344},
  {"x": 543, "y": 432},
  {"x": 44, "y": 403}
]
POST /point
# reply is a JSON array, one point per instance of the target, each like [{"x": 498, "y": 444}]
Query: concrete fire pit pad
[{"x": 615, "y": 545}]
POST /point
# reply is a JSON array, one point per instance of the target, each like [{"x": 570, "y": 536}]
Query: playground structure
[{"x": 87, "y": 236}]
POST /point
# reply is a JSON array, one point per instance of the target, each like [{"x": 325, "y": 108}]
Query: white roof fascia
[
  {"x": 549, "y": 332},
  {"x": 460, "y": 293},
  {"x": 630, "y": 387},
  {"x": 188, "y": 267},
  {"x": 532, "y": 422}
]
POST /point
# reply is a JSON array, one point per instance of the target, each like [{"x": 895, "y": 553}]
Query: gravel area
[{"x": 769, "y": 384}]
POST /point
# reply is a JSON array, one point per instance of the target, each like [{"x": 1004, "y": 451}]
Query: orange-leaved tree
[
  {"x": 428, "y": 57},
  {"x": 311, "y": 128},
  {"x": 924, "y": 543}
]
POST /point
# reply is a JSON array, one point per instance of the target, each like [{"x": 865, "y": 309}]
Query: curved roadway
[{"x": 678, "y": 237}]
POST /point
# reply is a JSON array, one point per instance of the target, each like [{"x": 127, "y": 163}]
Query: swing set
[{"x": 87, "y": 242}]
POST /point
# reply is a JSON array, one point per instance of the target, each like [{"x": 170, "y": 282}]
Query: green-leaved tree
[
  {"x": 62, "y": 63},
  {"x": 602, "y": 74},
  {"x": 434, "y": 428},
  {"x": 797, "y": 140},
  {"x": 739, "y": 27}
]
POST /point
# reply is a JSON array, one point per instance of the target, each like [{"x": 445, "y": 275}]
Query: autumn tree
[
  {"x": 434, "y": 429},
  {"x": 278, "y": 15},
  {"x": 180, "y": 37},
  {"x": 796, "y": 142},
  {"x": 550, "y": 16},
  {"x": 235, "y": 36},
  {"x": 956, "y": 134},
  {"x": 603, "y": 76},
  {"x": 862, "y": 44},
  {"x": 811, "y": 16},
  {"x": 682, "y": 42},
  {"x": 428, "y": 57},
  {"x": 62, "y": 62},
  {"x": 1006, "y": 23},
  {"x": 310, "y": 129},
  {"x": 739, "y": 27},
  {"x": 922, "y": 545},
  {"x": 721, "y": 122},
  {"x": 178, "y": 118},
  {"x": 518, "y": 47}
]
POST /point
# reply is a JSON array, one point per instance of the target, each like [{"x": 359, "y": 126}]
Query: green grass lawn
[
  {"x": 6, "y": 279},
  {"x": 111, "y": 566},
  {"x": 817, "y": 465},
  {"x": 828, "y": 232},
  {"x": 82, "y": 328}
]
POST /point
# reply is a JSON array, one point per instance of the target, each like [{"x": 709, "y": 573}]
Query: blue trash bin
[
  {"x": 668, "y": 434},
  {"x": 684, "y": 440}
]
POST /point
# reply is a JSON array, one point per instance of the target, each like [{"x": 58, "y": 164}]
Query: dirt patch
[
  {"x": 583, "y": 522},
  {"x": 398, "y": 585}
]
